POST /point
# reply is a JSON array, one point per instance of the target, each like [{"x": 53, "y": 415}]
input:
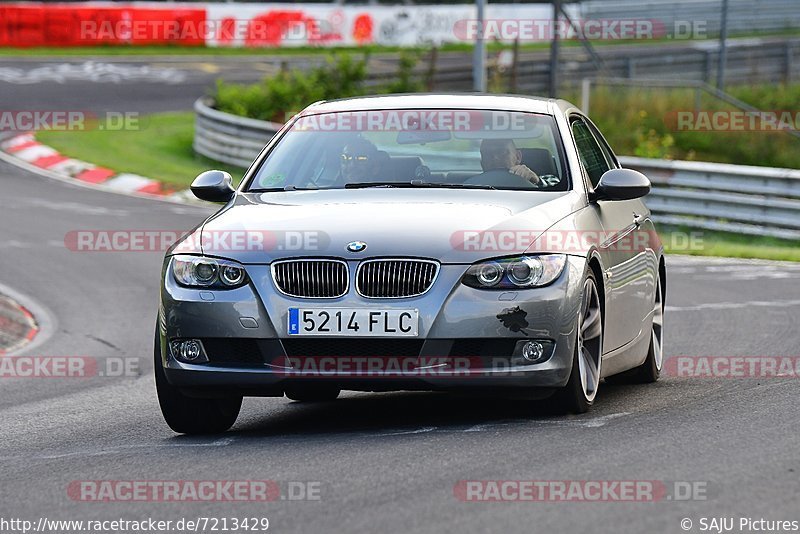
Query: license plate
[{"x": 353, "y": 322}]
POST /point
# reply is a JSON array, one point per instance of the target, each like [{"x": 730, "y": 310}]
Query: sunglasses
[{"x": 347, "y": 158}]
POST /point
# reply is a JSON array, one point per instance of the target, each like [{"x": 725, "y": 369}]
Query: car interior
[{"x": 429, "y": 157}]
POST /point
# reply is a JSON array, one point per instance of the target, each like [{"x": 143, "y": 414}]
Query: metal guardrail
[
  {"x": 712, "y": 196},
  {"x": 715, "y": 196},
  {"x": 229, "y": 138}
]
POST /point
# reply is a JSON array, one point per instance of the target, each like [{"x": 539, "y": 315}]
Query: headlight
[
  {"x": 519, "y": 272},
  {"x": 197, "y": 271}
]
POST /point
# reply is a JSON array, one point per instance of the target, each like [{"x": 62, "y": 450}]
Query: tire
[
  {"x": 189, "y": 415},
  {"x": 584, "y": 379},
  {"x": 650, "y": 370},
  {"x": 312, "y": 393}
]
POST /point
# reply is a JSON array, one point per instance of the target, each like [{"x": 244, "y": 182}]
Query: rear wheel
[
  {"x": 584, "y": 380},
  {"x": 189, "y": 415},
  {"x": 312, "y": 393}
]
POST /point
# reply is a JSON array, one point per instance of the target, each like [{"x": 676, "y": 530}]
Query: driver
[
  {"x": 359, "y": 161},
  {"x": 501, "y": 162}
]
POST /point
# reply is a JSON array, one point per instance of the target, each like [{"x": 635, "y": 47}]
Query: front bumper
[{"x": 462, "y": 342}]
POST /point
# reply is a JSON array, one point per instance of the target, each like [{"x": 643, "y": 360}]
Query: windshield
[{"x": 416, "y": 148}]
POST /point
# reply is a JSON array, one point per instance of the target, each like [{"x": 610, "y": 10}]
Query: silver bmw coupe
[{"x": 414, "y": 242}]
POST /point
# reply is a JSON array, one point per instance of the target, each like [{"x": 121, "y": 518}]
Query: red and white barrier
[
  {"x": 263, "y": 25},
  {"x": 36, "y": 24}
]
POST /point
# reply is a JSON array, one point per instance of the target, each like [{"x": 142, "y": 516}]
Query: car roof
[{"x": 531, "y": 104}]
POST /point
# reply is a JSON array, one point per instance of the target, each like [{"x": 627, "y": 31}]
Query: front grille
[
  {"x": 311, "y": 278},
  {"x": 353, "y": 348},
  {"x": 395, "y": 278}
]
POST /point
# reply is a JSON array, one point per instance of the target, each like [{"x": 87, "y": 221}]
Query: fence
[
  {"x": 744, "y": 16},
  {"x": 748, "y": 61},
  {"x": 711, "y": 196}
]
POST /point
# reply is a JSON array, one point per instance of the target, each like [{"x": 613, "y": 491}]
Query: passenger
[{"x": 502, "y": 166}]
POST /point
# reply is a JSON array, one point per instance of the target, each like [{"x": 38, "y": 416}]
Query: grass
[
  {"x": 165, "y": 50},
  {"x": 641, "y": 121},
  {"x": 172, "y": 50},
  {"x": 160, "y": 149},
  {"x": 730, "y": 245}
]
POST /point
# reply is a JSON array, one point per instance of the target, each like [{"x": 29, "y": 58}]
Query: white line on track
[
  {"x": 736, "y": 305},
  {"x": 592, "y": 422},
  {"x": 403, "y": 432},
  {"x": 121, "y": 449}
]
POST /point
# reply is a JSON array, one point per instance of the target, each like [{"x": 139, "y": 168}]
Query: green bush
[
  {"x": 277, "y": 97},
  {"x": 406, "y": 81}
]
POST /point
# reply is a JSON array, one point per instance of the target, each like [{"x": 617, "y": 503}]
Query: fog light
[
  {"x": 189, "y": 350},
  {"x": 532, "y": 351}
]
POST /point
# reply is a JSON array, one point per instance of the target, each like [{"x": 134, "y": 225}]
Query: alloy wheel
[{"x": 590, "y": 340}]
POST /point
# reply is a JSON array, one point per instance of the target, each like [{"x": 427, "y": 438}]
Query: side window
[
  {"x": 610, "y": 156},
  {"x": 592, "y": 157}
]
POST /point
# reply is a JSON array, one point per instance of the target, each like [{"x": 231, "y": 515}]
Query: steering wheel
[
  {"x": 548, "y": 180},
  {"x": 422, "y": 172}
]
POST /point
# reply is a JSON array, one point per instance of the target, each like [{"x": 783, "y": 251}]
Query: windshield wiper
[
  {"x": 415, "y": 184},
  {"x": 295, "y": 188},
  {"x": 285, "y": 188},
  {"x": 364, "y": 185},
  {"x": 458, "y": 186}
]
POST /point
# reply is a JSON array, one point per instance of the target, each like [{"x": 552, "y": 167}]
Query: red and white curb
[
  {"x": 17, "y": 326},
  {"x": 27, "y": 149}
]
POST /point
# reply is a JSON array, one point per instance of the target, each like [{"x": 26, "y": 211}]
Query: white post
[
  {"x": 479, "y": 60},
  {"x": 586, "y": 89}
]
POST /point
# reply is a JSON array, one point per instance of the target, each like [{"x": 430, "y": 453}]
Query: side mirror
[
  {"x": 621, "y": 184},
  {"x": 213, "y": 186}
]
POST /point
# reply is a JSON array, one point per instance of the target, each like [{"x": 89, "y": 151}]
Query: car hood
[{"x": 452, "y": 226}]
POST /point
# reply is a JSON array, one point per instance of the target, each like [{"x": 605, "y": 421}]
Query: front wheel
[
  {"x": 650, "y": 370},
  {"x": 189, "y": 415},
  {"x": 584, "y": 380}
]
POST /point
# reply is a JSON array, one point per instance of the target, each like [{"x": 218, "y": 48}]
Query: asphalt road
[
  {"x": 143, "y": 84},
  {"x": 383, "y": 462}
]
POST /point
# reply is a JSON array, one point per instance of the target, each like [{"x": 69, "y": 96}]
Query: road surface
[{"x": 381, "y": 462}]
